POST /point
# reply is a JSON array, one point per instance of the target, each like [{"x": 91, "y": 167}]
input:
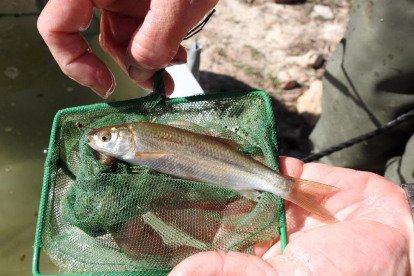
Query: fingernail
[
  {"x": 176, "y": 62},
  {"x": 139, "y": 74},
  {"x": 111, "y": 89},
  {"x": 102, "y": 94},
  {"x": 106, "y": 93}
]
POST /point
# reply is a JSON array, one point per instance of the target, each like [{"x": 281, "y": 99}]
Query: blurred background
[{"x": 280, "y": 48}]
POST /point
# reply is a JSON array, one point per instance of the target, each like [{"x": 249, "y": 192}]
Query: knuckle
[
  {"x": 152, "y": 57},
  {"x": 41, "y": 26}
]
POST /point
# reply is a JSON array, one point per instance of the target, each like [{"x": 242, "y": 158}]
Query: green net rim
[{"x": 150, "y": 98}]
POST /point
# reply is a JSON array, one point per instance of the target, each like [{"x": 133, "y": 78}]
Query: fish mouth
[
  {"x": 91, "y": 144},
  {"x": 91, "y": 140}
]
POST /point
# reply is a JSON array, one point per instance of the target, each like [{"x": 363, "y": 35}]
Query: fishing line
[
  {"x": 388, "y": 126},
  {"x": 159, "y": 84},
  {"x": 200, "y": 26}
]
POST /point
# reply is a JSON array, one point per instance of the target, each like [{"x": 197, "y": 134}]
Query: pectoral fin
[
  {"x": 146, "y": 156},
  {"x": 251, "y": 194}
]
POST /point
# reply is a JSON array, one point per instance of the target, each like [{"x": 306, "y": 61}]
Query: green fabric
[
  {"x": 137, "y": 221},
  {"x": 369, "y": 81},
  {"x": 400, "y": 169},
  {"x": 33, "y": 88}
]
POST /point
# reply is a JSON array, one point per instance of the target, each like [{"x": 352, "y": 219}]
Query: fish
[{"x": 203, "y": 158}]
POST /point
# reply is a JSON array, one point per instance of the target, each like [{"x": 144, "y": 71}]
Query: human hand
[
  {"x": 142, "y": 36},
  {"x": 374, "y": 235}
]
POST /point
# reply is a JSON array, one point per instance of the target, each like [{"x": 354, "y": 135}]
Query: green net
[{"x": 132, "y": 220}]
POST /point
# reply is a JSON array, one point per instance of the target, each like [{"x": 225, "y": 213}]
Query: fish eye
[{"x": 105, "y": 136}]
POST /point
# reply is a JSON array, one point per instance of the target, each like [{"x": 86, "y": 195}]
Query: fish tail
[{"x": 304, "y": 194}]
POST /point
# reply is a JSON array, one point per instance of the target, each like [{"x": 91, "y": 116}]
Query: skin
[
  {"x": 142, "y": 36},
  {"x": 374, "y": 235}
]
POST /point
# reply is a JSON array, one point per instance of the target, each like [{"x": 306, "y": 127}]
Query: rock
[
  {"x": 311, "y": 59},
  {"x": 299, "y": 74},
  {"x": 309, "y": 105},
  {"x": 323, "y": 12},
  {"x": 332, "y": 32},
  {"x": 314, "y": 60},
  {"x": 288, "y": 80},
  {"x": 291, "y": 84}
]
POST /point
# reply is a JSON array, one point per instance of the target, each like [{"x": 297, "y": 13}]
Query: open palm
[{"x": 374, "y": 235}]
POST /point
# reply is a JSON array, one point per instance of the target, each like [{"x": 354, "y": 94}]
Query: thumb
[
  {"x": 156, "y": 44},
  {"x": 216, "y": 263}
]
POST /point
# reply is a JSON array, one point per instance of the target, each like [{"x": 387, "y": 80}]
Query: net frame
[{"x": 51, "y": 159}]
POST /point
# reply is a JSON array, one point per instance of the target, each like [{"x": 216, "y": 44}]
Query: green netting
[{"x": 133, "y": 220}]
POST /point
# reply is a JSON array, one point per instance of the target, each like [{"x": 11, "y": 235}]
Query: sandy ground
[{"x": 265, "y": 45}]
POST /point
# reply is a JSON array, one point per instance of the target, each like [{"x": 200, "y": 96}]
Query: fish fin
[
  {"x": 225, "y": 141},
  {"x": 104, "y": 159},
  {"x": 210, "y": 134},
  {"x": 251, "y": 194},
  {"x": 181, "y": 123},
  {"x": 144, "y": 156},
  {"x": 313, "y": 188},
  {"x": 304, "y": 192},
  {"x": 154, "y": 120}
]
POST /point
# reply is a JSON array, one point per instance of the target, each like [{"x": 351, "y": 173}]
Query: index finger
[
  {"x": 60, "y": 25},
  {"x": 156, "y": 44}
]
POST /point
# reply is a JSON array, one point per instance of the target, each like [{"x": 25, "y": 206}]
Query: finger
[
  {"x": 261, "y": 248},
  {"x": 116, "y": 32},
  {"x": 329, "y": 250},
  {"x": 290, "y": 166},
  {"x": 132, "y": 8},
  {"x": 296, "y": 217},
  {"x": 180, "y": 57},
  {"x": 168, "y": 82},
  {"x": 222, "y": 263},
  {"x": 157, "y": 42},
  {"x": 60, "y": 25}
]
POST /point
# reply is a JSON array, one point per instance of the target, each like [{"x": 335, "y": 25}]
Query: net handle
[{"x": 282, "y": 223}]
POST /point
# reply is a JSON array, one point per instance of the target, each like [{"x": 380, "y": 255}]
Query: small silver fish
[{"x": 203, "y": 158}]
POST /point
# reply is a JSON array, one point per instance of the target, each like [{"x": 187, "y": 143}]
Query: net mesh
[{"x": 133, "y": 220}]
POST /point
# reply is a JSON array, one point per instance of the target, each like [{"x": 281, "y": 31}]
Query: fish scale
[{"x": 203, "y": 159}]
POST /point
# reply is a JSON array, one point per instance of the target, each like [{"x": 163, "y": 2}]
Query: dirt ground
[{"x": 279, "y": 48}]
